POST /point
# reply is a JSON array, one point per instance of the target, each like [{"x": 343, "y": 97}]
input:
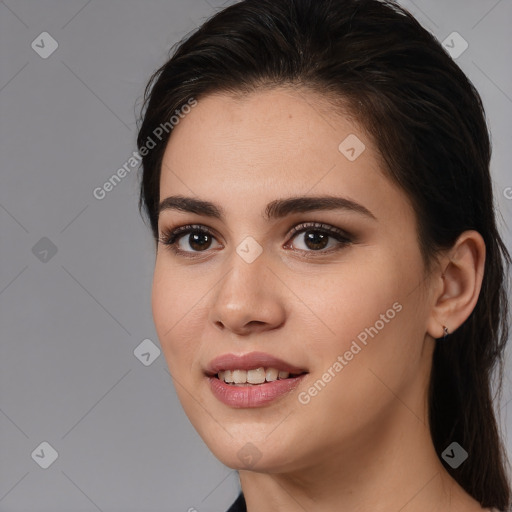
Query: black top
[{"x": 238, "y": 505}]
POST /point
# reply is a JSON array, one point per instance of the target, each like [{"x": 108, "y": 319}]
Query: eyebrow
[{"x": 276, "y": 209}]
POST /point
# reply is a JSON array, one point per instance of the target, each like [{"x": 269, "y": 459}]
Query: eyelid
[
  {"x": 170, "y": 236},
  {"x": 320, "y": 226},
  {"x": 181, "y": 230}
]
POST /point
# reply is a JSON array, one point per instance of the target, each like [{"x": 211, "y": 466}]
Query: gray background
[{"x": 72, "y": 320}]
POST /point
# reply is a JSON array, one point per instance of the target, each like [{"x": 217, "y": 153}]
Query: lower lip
[{"x": 252, "y": 396}]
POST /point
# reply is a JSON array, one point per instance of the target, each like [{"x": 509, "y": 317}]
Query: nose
[{"x": 249, "y": 298}]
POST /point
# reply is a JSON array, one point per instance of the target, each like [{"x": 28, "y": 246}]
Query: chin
[
  {"x": 251, "y": 452},
  {"x": 253, "y": 461}
]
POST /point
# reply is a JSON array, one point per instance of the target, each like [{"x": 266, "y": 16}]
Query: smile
[{"x": 253, "y": 377}]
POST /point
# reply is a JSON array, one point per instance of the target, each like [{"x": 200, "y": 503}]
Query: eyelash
[{"x": 170, "y": 237}]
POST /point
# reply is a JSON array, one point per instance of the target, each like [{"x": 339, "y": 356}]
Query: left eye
[{"x": 317, "y": 239}]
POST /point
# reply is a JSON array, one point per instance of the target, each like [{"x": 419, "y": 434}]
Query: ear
[{"x": 458, "y": 287}]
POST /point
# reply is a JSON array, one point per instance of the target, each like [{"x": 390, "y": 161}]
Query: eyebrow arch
[{"x": 276, "y": 209}]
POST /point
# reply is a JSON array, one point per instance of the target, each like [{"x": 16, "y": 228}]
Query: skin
[{"x": 363, "y": 442}]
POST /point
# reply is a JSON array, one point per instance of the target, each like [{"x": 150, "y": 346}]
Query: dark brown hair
[{"x": 428, "y": 123}]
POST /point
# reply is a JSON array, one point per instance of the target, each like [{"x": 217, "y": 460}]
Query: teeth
[
  {"x": 239, "y": 376},
  {"x": 255, "y": 376},
  {"x": 271, "y": 374}
]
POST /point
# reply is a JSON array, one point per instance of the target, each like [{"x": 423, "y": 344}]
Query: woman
[{"x": 329, "y": 285}]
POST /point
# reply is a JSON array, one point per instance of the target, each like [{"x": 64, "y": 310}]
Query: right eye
[{"x": 199, "y": 239}]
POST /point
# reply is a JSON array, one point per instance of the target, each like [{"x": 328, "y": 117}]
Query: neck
[{"x": 401, "y": 471}]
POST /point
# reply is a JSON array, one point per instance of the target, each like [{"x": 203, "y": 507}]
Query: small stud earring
[{"x": 445, "y": 331}]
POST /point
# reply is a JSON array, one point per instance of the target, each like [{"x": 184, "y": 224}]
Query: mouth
[
  {"x": 255, "y": 379},
  {"x": 255, "y": 376},
  {"x": 253, "y": 368}
]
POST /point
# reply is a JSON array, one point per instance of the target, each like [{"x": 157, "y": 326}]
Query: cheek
[
  {"x": 377, "y": 325},
  {"x": 373, "y": 320},
  {"x": 171, "y": 302},
  {"x": 357, "y": 295}
]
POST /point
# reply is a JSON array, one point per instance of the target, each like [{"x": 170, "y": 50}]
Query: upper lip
[{"x": 248, "y": 362}]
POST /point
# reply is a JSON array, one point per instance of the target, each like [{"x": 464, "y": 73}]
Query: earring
[{"x": 445, "y": 331}]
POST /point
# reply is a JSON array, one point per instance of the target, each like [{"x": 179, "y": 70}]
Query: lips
[
  {"x": 250, "y": 361},
  {"x": 245, "y": 394}
]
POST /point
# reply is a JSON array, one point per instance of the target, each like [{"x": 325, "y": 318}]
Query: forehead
[
  {"x": 247, "y": 150},
  {"x": 276, "y": 120}
]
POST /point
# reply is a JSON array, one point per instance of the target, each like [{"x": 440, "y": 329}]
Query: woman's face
[{"x": 344, "y": 304}]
